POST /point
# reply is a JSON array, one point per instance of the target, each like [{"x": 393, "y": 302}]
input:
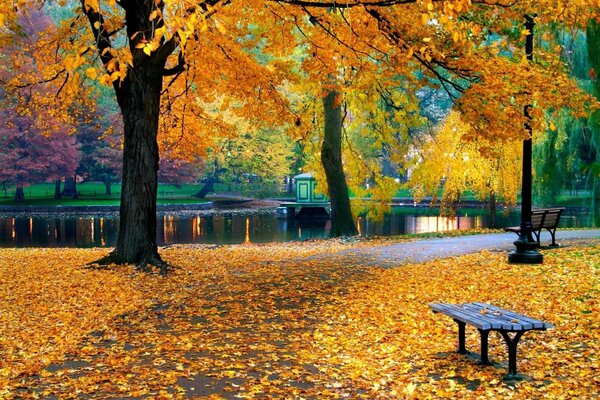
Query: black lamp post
[{"x": 526, "y": 248}]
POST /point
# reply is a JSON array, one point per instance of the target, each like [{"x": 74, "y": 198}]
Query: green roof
[{"x": 307, "y": 175}]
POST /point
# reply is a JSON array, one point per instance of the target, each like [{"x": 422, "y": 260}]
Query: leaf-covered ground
[{"x": 271, "y": 321}]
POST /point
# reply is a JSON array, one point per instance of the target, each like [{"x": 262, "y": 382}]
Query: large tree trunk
[
  {"x": 19, "y": 194},
  {"x": 342, "y": 223},
  {"x": 492, "y": 210},
  {"x": 139, "y": 99},
  {"x": 57, "y": 194},
  {"x": 207, "y": 188},
  {"x": 107, "y": 187},
  {"x": 70, "y": 188},
  {"x": 595, "y": 201},
  {"x": 138, "y": 95}
]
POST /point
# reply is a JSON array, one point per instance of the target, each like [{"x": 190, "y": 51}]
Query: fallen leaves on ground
[{"x": 272, "y": 321}]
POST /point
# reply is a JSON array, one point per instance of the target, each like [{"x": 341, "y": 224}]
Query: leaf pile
[{"x": 273, "y": 321}]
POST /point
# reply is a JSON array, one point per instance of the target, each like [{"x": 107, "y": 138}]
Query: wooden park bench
[
  {"x": 542, "y": 218},
  {"x": 487, "y": 318}
]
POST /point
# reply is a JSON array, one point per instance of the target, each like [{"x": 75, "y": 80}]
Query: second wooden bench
[{"x": 542, "y": 218}]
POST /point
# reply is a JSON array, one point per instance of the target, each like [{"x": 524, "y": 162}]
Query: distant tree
[
  {"x": 567, "y": 152},
  {"x": 36, "y": 135},
  {"x": 591, "y": 169},
  {"x": 177, "y": 171},
  {"x": 449, "y": 165},
  {"x": 556, "y": 162},
  {"x": 266, "y": 153},
  {"x": 29, "y": 155},
  {"x": 98, "y": 132}
]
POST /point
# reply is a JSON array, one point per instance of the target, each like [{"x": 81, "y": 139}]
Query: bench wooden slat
[
  {"x": 537, "y": 221},
  {"x": 537, "y": 324},
  {"x": 457, "y": 313},
  {"x": 495, "y": 318},
  {"x": 473, "y": 316},
  {"x": 538, "y": 218},
  {"x": 508, "y": 322},
  {"x": 484, "y": 319}
]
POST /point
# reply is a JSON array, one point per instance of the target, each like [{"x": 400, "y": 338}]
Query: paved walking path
[{"x": 429, "y": 249}]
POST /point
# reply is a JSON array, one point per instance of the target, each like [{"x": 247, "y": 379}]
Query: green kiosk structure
[{"x": 310, "y": 203}]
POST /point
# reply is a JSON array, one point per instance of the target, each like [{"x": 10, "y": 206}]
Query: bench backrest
[
  {"x": 537, "y": 219},
  {"x": 552, "y": 217}
]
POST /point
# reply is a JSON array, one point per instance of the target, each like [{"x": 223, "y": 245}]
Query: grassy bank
[{"x": 94, "y": 193}]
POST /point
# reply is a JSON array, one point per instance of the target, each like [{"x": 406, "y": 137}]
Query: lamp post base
[{"x": 525, "y": 253}]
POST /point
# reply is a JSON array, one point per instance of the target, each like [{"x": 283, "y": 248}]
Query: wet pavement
[{"x": 429, "y": 249}]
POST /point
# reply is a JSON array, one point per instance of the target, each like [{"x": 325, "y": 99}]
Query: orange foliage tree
[{"x": 203, "y": 58}]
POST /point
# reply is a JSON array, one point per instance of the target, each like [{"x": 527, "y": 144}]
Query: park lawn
[
  {"x": 97, "y": 201},
  {"x": 270, "y": 321},
  {"x": 95, "y": 189},
  {"x": 93, "y": 194}
]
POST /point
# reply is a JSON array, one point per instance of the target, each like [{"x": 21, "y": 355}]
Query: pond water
[{"x": 238, "y": 227}]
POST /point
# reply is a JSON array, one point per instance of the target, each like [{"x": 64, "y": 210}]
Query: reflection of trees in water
[
  {"x": 244, "y": 228},
  {"x": 84, "y": 232},
  {"x": 303, "y": 229},
  {"x": 58, "y": 232}
]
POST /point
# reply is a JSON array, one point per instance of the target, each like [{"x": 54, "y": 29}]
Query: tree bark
[
  {"x": 492, "y": 210},
  {"x": 207, "y": 188},
  {"x": 19, "y": 194},
  {"x": 595, "y": 201},
  {"x": 57, "y": 194},
  {"x": 70, "y": 188},
  {"x": 139, "y": 100},
  {"x": 342, "y": 223},
  {"x": 107, "y": 187}
]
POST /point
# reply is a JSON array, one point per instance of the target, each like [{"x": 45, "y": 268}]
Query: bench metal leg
[
  {"x": 553, "y": 234},
  {"x": 462, "y": 349},
  {"x": 484, "y": 347},
  {"x": 537, "y": 237},
  {"x": 512, "y": 343}
]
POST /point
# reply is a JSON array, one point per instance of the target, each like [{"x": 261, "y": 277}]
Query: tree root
[
  {"x": 145, "y": 264},
  {"x": 102, "y": 263},
  {"x": 153, "y": 260}
]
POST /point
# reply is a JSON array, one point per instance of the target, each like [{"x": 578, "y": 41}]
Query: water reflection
[
  {"x": 52, "y": 232},
  {"x": 237, "y": 228}
]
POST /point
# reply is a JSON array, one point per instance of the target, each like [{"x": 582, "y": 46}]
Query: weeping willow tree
[
  {"x": 451, "y": 166},
  {"x": 593, "y": 42},
  {"x": 557, "y": 165},
  {"x": 567, "y": 154}
]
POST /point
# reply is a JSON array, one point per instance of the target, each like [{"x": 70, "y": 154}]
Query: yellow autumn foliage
[{"x": 451, "y": 164}]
